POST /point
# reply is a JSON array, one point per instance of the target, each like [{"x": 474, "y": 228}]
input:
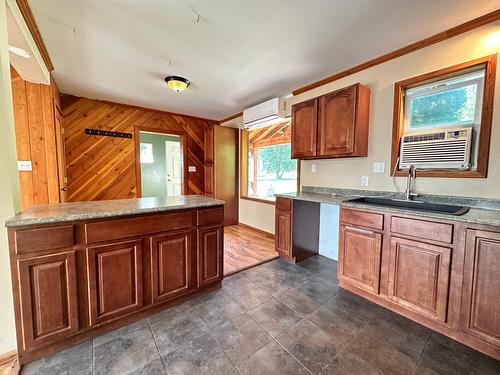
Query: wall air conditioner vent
[
  {"x": 267, "y": 113},
  {"x": 446, "y": 148}
]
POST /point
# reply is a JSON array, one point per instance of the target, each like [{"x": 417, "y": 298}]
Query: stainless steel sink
[{"x": 414, "y": 205}]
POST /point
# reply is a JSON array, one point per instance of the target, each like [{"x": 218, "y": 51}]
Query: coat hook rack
[{"x": 107, "y": 133}]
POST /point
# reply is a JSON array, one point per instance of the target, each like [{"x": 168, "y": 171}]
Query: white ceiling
[{"x": 241, "y": 52}]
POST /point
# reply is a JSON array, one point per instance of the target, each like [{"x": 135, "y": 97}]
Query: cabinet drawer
[
  {"x": 422, "y": 229},
  {"x": 283, "y": 204},
  {"x": 136, "y": 226},
  {"x": 210, "y": 216},
  {"x": 362, "y": 218},
  {"x": 28, "y": 240}
]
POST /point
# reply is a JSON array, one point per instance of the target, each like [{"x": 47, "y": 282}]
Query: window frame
[
  {"x": 244, "y": 171},
  {"x": 488, "y": 63}
]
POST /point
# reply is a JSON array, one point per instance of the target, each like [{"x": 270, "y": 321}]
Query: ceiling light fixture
[{"x": 177, "y": 83}]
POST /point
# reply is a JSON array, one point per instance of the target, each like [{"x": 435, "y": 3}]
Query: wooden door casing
[
  {"x": 419, "y": 277},
  {"x": 283, "y": 232},
  {"x": 336, "y": 127},
  {"x": 114, "y": 280},
  {"x": 360, "y": 254},
  {"x": 210, "y": 254},
  {"x": 480, "y": 311},
  {"x": 304, "y": 129},
  {"x": 49, "y": 298},
  {"x": 171, "y": 265}
]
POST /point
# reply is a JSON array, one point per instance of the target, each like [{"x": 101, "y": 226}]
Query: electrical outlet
[
  {"x": 313, "y": 168},
  {"x": 364, "y": 180},
  {"x": 192, "y": 168},
  {"x": 378, "y": 167},
  {"x": 24, "y": 165}
]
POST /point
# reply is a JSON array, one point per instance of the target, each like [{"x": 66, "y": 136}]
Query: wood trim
[
  {"x": 257, "y": 200},
  {"x": 243, "y": 162},
  {"x": 184, "y": 145},
  {"x": 8, "y": 357},
  {"x": 490, "y": 63},
  {"x": 35, "y": 32},
  {"x": 450, "y": 33},
  {"x": 260, "y": 231},
  {"x": 231, "y": 117}
]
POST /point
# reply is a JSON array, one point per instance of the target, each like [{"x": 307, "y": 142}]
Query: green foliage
[
  {"x": 446, "y": 107},
  {"x": 277, "y": 159}
]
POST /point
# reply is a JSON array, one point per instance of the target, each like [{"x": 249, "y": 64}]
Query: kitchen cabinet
[
  {"x": 333, "y": 125},
  {"x": 359, "y": 257},
  {"x": 480, "y": 314},
  {"x": 210, "y": 262},
  {"x": 283, "y": 227}
]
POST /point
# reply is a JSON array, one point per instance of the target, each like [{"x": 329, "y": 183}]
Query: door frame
[{"x": 137, "y": 142}]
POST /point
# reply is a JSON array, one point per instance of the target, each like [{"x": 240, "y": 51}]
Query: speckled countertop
[
  {"x": 482, "y": 211},
  {"x": 64, "y": 212}
]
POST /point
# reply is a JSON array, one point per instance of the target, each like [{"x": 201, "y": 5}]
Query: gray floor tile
[
  {"x": 119, "y": 332},
  {"x": 240, "y": 337},
  {"x": 391, "y": 357},
  {"x": 73, "y": 361},
  {"x": 177, "y": 330},
  {"x": 133, "y": 353},
  {"x": 274, "y": 316},
  {"x": 320, "y": 288},
  {"x": 168, "y": 312},
  {"x": 300, "y": 300},
  {"x": 349, "y": 364},
  {"x": 310, "y": 345},
  {"x": 272, "y": 359},
  {"x": 318, "y": 264},
  {"x": 200, "y": 356},
  {"x": 248, "y": 294},
  {"x": 218, "y": 309}
]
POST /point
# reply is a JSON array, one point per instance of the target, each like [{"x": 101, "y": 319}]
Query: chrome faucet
[{"x": 410, "y": 183}]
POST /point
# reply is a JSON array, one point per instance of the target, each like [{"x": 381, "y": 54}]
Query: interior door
[{"x": 173, "y": 165}]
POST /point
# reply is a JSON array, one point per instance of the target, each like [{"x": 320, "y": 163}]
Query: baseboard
[
  {"x": 10, "y": 363},
  {"x": 8, "y": 357},
  {"x": 268, "y": 234}
]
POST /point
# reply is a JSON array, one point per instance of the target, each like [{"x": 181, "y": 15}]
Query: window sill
[
  {"x": 443, "y": 174},
  {"x": 260, "y": 200}
]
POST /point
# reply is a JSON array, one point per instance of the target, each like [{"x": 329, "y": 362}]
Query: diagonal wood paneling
[{"x": 104, "y": 167}]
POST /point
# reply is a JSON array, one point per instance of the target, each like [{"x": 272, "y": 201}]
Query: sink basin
[{"x": 414, "y": 205}]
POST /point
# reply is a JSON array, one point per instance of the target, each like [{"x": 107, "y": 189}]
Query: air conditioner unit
[
  {"x": 446, "y": 148},
  {"x": 267, "y": 113}
]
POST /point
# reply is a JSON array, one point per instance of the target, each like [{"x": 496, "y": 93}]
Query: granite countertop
[
  {"x": 64, "y": 212},
  {"x": 482, "y": 211}
]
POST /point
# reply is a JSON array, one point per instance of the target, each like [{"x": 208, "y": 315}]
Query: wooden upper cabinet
[
  {"x": 49, "y": 298},
  {"x": 419, "y": 275},
  {"x": 360, "y": 253},
  {"x": 333, "y": 125},
  {"x": 304, "y": 129},
  {"x": 480, "y": 315}
]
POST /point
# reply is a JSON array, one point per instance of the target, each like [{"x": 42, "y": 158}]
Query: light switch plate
[
  {"x": 313, "y": 168},
  {"x": 378, "y": 167},
  {"x": 24, "y": 165},
  {"x": 192, "y": 168},
  {"x": 364, "y": 180}
]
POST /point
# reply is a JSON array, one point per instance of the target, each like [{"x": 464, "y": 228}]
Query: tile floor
[{"x": 275, "y": 318}]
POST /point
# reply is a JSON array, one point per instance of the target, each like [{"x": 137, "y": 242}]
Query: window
[
  {"x": 267, "y": 166},
  {"x": 146, "y": 152},
  {"x": 458, "y": 96}
]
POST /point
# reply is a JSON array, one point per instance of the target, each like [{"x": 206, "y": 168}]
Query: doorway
[{"x": 160, "y": 161}]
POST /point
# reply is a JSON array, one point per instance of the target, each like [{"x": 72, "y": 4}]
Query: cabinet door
[
  {"x": 480, "y": 315},
  {"x": 171, "y": 263},
  {"x": 337, "y": 123},
  {"x": 210, "y": 251},
  {"x": 283, "y": 232},
  {"x": 115, "y": 280},
  {"x": 49, "y": 298},
  {"x": 419, "y": 276},
  {"x": 359, "y": 257},
  {"x": 304, "y": 129}
]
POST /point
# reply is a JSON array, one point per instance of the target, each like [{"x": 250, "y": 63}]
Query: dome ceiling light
[{"x": 177, "y": 83}]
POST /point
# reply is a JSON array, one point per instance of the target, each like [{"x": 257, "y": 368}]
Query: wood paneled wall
[
  {"x": 37, "y": 140},
  {"x": 104, "y": 167}
]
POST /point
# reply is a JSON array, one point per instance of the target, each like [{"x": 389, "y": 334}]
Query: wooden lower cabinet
[
  {"x": 481, "y": 287},
  {"x": 419, "y": 276},
  {"x": 172, "y": 268},
  {"x": 48, "y": 297},
  {"x": 114, "y": 280},
  {"x": 210, "y": 260},
  {"x": 283, "y": 233},
  {"x": 359, "y": 257}
]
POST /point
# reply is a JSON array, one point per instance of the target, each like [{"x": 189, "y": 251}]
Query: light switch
[
  {"x": 24, "y": 165},
  {"x": 364, "y": 180},
  {"x": 313, "y": 168},
  {"x": 378, "y": 167},
  {"x": 192, "y": 168}
]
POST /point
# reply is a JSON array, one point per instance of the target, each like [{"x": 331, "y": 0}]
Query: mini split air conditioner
[
  {"x": 264, "y": 114},
  {"x": 446, "y": 148}
]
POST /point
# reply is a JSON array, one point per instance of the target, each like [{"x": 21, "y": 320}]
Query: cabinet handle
[{"x": 360, "y": 230}]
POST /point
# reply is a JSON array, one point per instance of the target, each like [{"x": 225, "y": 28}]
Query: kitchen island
[{"x": 82, "y": 269}]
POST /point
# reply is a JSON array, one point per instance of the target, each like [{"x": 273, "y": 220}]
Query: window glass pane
[
  {"x": 146, "y": 153},
  {"x": 271, "y": 170}
]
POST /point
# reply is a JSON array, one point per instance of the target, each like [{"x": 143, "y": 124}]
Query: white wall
[{"x": 258, "y": 215}]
